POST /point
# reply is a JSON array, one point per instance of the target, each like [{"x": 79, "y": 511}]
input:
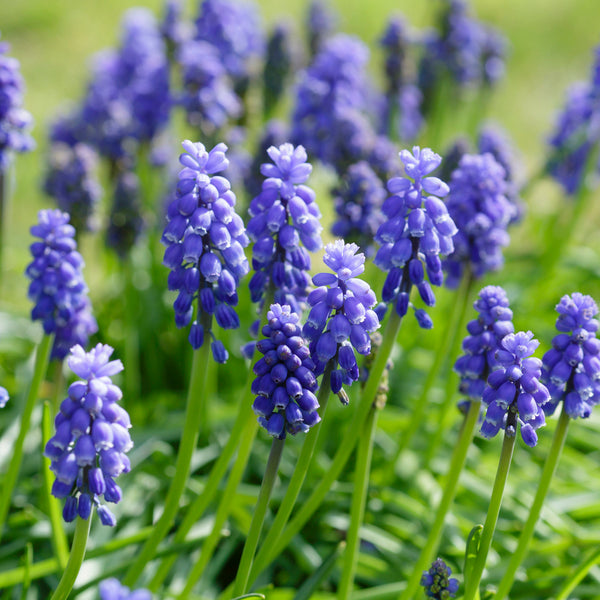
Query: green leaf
[{"x": 471, "y": 551}]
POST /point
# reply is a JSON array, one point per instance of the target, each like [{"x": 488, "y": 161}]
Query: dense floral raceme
[
  {"x": 285, "y": 380},
  {"x": 57, "y": 287},
  {"x": 111, "y": 589},
  {"x": 493, "y": 322},
  {"x": 205, "y": 241},
  {"x": 88, "y": 450},
  {"x": 417, "y": 231},
  {"x": 71, "y": 179},
  {"x": 321, "y": 22},
  {"x": 15, "y": 121},
  {"x": 284, "y": 224},
  {"x": 571, "y": 369},
  {"x": 514, "y": 394},
  {"x": 280, "y": 62},
  {"x": 576, "y": 133},
  {"x": 478, "y": 205},
  {"x": 437, "y": 581},
  {"x": 341, "y": 318}
]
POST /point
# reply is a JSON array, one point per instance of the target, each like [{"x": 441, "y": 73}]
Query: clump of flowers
[
  {"x": 284, "y": 224},
  {"x": 514, "y": 395},
  {"x": 437, "y": 581},
  {"x": 15, "y": 121},
  {"x": 321, "y": 22},
  {"x": 285, "y": 380},
  {"x": 57, "y": 287},
  {"x": 205, "y": 241},
  {"x": 417, "y": 231},
  {"x": 342, "y": 316},
  {"x": 111, "y": 589},
  {"x": 88, "y": 450},
  {"x": 571, "y": 369},
  {"x": 280, "y": 61}
]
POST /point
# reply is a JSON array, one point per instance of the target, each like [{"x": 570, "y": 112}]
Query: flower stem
[
  {"x": 457, "y": 463},
  {"x": 365, "y": 405},
  {"x": 59, "y": 539},
  {"x": 189, "y": 438},
  {"x": 558, "y": 442},
  {"x": 39, "y": 372},
  {"x": 241, "y": 580},
  {"x": 65, "y": 585},
  {"x": 364, "y": 454},
  {"x": 508, "y": 445},
  {"x": 132, "y": 337},
  {"x": 3, "y": 203}
]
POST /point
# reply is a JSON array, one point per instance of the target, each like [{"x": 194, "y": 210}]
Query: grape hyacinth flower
[
  {"x": 395, "y": 42},
  {"x": 417, "y": 230},
  {"x": 126, "y": 222},
  {"x": 4, "y": 397},
  {"x": 111, "y": 589},
  {"x": 341, "y": 318},
  {"x": 437, "y": 581},
  {"x": 515, "y": 394},
  {"x": 478, "y": 205},
  {"x": 205, "y": 241},
  {"x": 284, "y": 224},
  {"x": 71, "y": 179},
  {"x": 279, "y": 64},
  {"x": 571, "y": 369},
  {"x": 321, "y": 22},
  {"x": 57, "y": 286},
  {"x": 285, "y": 382},
  {"x": 493, "y": 322},
  {"x": 88, "y": 450},
  {"x": 15, "y": 121}
]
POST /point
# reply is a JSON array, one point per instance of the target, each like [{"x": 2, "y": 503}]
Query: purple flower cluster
[
  {"x": 321, "y": 22},
  {"x": 57, "y": 287},
  {"x": 285, "y": 381},
  {"x": 15, "y": 121},
  {"x": 71, "y": 179},
  {"x": 205, "y": 241},
  {"x": 437, "y": 581},
  {"x": 126, "y": 222},
  {"x": 111, "y": 589},
  {"x": 208, "y": 96},
  {"x": 341, "y": 318},
  {"x": 493, "y": 322},
  {"x": 280, "y": 62},
  {"x": 283, "y": 216},
  {"x": 128, "y": 99},
  {"x": 4, "y": 397},
  {"x": 478, "y": 205},
  {"x": 417, "y": 230},
  {"x": 358, "y": 199},
  {"x": 395, "y": 42},
  {"x": 172, "y": 27},
  {"x": 571, "y": 369},
  {"x": 514, "y": 394},
  {"x": 88, "y": 450}
]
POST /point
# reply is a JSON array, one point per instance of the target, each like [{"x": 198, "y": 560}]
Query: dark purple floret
[
  {"x": 57, "y": 287},
  {"x": 437, "y": 581},
  {"x": 417, "y": 231},
  {"x": 126, "y": 222},
  {"x": 493, "y": 322},
  {"x": 205, "y": 241},
  {"x": 111, "y": 589},
  {"x": 571, "y": 369},
  {"x": 88, "y": 450},
  {"x": 341, "y": 318},
  {"x": 285, "y": 381},
  {"x": 514, "y": 395},
  {"x": 71, "y": 179},
  {"x": 208, "y": 96},
  {"x": 358, "y": 199},
  {"x": 478, "y": 205},
  {"x": 321, "y": 22},
  {"x": 284, "y": 226},
  {"x": 15, "y": 121}
]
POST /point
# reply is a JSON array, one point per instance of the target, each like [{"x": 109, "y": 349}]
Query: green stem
[
  {"x": 472, "y": 586},
  {"x": 241, "y": 580},
  {"x": 59, "y": 539},
  {"x": 224, "y": 510},
  {"x": 39, "y": 371},
  {"x": 364, "y": 454},
  {"x": 304, "y": 512},
  {"x": 189, "y": 438},
  {"x": 3, "y": 203},
  {"x": 560, "y": 435},
  {"x": 457, "y": 463},
  {"x": 132, "y": 338},
  {"x": 65, "y": 585},
  {"x": 293, "y": 490},
  {"x": 579, "y": 574}
]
